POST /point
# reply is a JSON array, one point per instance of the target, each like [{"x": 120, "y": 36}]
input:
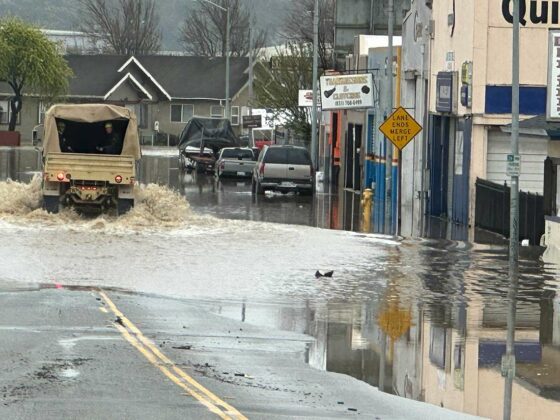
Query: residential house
[{"x": 164, "y": 91}]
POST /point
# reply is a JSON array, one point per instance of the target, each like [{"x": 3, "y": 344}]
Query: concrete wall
[
  {"x": 415, "y": 67},
  {"x": 460, "y": 42}
]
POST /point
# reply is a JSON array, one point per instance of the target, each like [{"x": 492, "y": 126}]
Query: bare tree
[
  {"x": 126, "y": 27},
  {"x": 204, "y": 30},
  {"x": 299, "y": 27},
  {"x": 277, "y": 85}
]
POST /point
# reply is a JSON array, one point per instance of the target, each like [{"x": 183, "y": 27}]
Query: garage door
[{"x": 533, "y": 151}]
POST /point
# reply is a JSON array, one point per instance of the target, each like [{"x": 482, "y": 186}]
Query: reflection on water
[
  {"x": 444, "y": 315},
  {"x": 439, "y": 307}
]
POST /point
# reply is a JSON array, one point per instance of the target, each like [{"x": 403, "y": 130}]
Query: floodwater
[{"x": 426, "y": 317}]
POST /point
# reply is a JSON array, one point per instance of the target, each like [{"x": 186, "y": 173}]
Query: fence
[{"x": 492, "y": 211}]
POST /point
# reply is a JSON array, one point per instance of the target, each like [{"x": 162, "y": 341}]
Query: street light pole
[
  {"x": 508, "y": 360},
  {"x": 227, "y": 53},
  {"x": 314, "y": 142}
]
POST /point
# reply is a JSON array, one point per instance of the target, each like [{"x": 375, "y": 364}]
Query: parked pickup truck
[
  {"x": 90, "y": 154},
  {"x": 235, "y": 161}
]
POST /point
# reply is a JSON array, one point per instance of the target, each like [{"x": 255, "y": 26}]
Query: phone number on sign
[{"x": 355, "y": 102}]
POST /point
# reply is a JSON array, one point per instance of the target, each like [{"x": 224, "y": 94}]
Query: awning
[{"x": 537, "y": 126}]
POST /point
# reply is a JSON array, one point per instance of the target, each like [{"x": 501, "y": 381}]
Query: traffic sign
[
  {"x": 513, "y": 165},
  {"x": 400, "y": 128}
]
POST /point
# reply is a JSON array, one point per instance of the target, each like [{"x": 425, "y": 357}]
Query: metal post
[
  {"x": 382, "y": 358},
  {"x": 508, "y": 361},
  {"x": 228, "y": 108},
  {"x": 315, "y": 75},
  {"x": 389, "y": 151}
]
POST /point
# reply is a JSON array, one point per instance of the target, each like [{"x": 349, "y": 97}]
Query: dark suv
[{"x": 284, "y": 169}]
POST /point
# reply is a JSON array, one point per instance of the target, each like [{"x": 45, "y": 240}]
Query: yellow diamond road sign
[{"x": 400, "y": 128}]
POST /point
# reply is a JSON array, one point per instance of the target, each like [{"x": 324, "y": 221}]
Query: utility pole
[
  {"x": 227, "y": 53},
  {"x": 314, "y": 140},
  {"x": 508, "y": 360},
  {"x": 389, "y": 145},
  {"x": 228, "y": 107},
  {"x": 251, "y": 74}
]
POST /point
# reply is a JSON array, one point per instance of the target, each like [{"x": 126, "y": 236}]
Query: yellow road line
[{"x": 149, "y": 350}]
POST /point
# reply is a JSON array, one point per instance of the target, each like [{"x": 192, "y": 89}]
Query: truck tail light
[
  {"x": 118, "y": 179},
  {"x": 261, "y": 169},
  {"x": 60, "y": 176}
]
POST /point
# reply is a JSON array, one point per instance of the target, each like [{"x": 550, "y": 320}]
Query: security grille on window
[
  {"x": 217, "y": 111},
  {"x": 234, "y": 115},
  {"x": 181, "y": 113}
]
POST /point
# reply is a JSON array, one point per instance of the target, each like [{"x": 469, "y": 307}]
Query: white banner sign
[
  {"x": 553, "y": 96},
  {"x": 305, "y": 98},
  {"x": 347, "y": 92}
]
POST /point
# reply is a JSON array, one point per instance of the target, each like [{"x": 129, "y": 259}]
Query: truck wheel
[
  {"x": 124, "y": 205},
  {"x": 51, "y": 204}
]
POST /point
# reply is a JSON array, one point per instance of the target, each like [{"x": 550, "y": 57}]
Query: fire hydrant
[{"x": 367, "y": 198}]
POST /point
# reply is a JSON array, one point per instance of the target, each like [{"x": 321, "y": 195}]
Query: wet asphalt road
[
  {"x": 243, "y": 297},
  {"x": 92, "y": 354}
]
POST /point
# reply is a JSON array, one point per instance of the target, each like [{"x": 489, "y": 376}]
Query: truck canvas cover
[
  {"x": 91, "y": 113},
  {"x": 215, "y": 133}
]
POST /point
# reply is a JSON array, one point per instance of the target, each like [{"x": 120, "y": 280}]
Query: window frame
[
  {"x": 41, "y": 107},
  {"x": 182, "y": 113},
  {"x": 235, "y": 115},
  {"x": 9, "y": 113}
]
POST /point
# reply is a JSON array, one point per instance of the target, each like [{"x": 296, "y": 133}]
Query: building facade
[{"x": 164, "y": 91}]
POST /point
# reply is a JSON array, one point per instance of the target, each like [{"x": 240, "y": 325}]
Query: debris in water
[
  {"x": 187, "y": 347},
  {"x": 318, "y": 274}
]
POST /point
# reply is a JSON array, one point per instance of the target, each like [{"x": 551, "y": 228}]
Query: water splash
[{"x": 157, "y": 207}]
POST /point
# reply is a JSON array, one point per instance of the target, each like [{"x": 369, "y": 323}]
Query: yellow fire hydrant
[{"x": 367, "y": 198}]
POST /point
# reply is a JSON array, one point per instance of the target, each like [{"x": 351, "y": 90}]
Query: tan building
[
  {"x": 164, "y": 91},
  {"x": 470, "y": 100}
]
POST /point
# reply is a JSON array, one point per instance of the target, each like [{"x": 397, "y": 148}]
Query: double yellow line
[{"x": 149, "y": 350}]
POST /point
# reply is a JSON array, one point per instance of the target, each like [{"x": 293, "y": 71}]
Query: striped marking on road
[{"x": 149, "y": 350}]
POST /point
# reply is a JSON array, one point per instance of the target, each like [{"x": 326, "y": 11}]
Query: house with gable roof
[{"x": 164, "y": 91}]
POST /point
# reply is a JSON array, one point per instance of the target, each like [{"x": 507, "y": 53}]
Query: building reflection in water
[{"x": 446, "y": 326}]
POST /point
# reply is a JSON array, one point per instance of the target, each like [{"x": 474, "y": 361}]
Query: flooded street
[{"x": 423, "y": 318}]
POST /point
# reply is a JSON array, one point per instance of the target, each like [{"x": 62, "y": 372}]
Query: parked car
[
  {"x": 235, "y": 161},
  {"x": 283, "y": 168}
]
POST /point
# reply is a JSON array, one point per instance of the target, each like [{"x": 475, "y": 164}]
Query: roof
[
  {"x": 181, "y": 77},
  {"x": 537, "y": 126}
]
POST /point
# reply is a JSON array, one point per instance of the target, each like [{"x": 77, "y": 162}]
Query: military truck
[{"x": 90, "y": 153}]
